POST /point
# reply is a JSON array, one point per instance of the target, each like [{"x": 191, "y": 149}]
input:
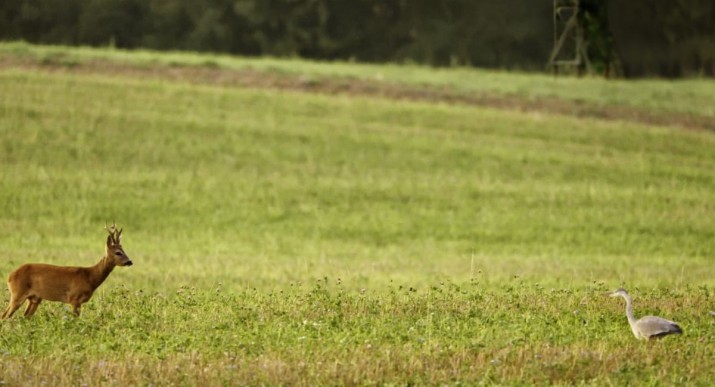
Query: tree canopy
[{"x": 662, "y": 37}]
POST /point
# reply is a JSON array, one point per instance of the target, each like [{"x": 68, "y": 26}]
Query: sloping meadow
[{"x": 285, "y": 237}]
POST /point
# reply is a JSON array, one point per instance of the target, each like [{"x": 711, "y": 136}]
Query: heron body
[{"x": 648, "y": 327}]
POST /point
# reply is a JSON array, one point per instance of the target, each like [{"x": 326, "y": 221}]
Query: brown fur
[{"x": 72, "y": 285}]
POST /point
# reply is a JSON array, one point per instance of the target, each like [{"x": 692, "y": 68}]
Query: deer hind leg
[
  {"x": 33, "y": 303},
  {"x": 15, "y": 303}
]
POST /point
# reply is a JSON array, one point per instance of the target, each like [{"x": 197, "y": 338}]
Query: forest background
[{"x": 664, "y": 38}]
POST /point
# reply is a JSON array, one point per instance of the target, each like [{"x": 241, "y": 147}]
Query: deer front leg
[{"x": 76, "y": 303}]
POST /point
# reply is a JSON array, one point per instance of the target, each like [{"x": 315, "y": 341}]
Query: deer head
[{"x": 113, "y": 249}]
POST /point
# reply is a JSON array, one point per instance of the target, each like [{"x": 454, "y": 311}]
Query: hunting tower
[{"x": 570, "y": 44}]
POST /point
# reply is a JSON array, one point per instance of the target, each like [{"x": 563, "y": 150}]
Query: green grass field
[{"x": 285, "y": 237}]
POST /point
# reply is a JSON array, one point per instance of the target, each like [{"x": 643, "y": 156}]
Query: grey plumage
[{"x": 647, "y": 327}]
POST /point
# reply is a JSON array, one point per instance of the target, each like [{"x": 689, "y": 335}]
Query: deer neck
[{"x": 100, "y": 271}]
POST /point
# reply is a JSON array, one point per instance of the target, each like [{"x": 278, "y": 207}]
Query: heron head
[{"x": 620, "y": 292}]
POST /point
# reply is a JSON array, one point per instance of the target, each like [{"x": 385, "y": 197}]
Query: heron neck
[
  {"x": 629, "y": 310},
  {"x": 629, "y": 314}
]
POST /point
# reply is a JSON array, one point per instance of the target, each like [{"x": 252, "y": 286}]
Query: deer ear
[{"x": 110, "y": 242}]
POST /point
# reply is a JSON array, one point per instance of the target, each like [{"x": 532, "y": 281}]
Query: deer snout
[{"x": 128, "y": 263}]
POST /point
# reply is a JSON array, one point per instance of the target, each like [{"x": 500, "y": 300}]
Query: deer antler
[{"x": 113, "y": 232}]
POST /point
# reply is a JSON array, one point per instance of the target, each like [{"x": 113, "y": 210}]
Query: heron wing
[{"x": 652, "y": 326}]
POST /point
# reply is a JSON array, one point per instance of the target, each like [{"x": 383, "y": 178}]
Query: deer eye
[{"x": 119, "y": 253}]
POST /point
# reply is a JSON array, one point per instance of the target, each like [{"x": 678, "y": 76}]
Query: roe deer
[{"x": 35, "y": 282}]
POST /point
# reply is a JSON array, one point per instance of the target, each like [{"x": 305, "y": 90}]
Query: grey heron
[{"x": 647, "y": 327}]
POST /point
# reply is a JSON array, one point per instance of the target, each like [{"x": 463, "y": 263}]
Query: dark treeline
[
  {"x": 670, "y": 38},
  {"x": 652, "y": 37}
]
